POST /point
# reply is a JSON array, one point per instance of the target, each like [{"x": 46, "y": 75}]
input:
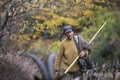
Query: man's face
[{"x": 70, "y": 35}]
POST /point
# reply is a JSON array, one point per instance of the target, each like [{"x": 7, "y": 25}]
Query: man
[{"x": 68, "y": 52}]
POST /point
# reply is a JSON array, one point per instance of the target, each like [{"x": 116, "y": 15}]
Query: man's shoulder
[
  {"x": 80, "y": 37},
  {"x": 63, "y": 41}
]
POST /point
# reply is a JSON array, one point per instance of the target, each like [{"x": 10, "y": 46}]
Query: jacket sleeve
[
  {"x": 84, "y": 45},
  {"x": 58, "y": 58}
]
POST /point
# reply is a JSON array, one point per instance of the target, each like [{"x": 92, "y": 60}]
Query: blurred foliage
[
  {"x": 38, "y": 47},
  {"x": 53, "y": 48},
  {"x": 106, "y": 45},
  {"x": 30, "y": 23}
]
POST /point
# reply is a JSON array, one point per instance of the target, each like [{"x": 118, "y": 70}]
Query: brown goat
[
  {"x": 93, "y": 73},
  {"x": 19, "y": 67},
  {"x": 116, "y": 70},
  {"x": 105, "y": 68},
  {"x": 117, "y": 76},
  {"x": 13, "y": 67}
]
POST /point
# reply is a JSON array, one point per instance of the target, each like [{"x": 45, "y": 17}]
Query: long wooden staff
[{"x": 89, "y": 43}]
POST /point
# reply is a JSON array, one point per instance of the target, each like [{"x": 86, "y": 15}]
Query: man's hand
[
  {"x": 83, "y": 54},
  {"x": 57, "y": 75}
]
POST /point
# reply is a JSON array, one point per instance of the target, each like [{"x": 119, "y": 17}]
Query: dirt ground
[{"x": 107, "y": 76}]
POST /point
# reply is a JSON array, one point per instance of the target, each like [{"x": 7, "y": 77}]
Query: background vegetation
[{"x": 35, "y": 25}]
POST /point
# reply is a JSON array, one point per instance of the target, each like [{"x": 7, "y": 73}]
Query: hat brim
[{"x": 68, "y": 30}]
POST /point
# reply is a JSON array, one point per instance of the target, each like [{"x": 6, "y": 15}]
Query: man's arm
[
  {"x": 85, "y": 47},
  {"x": 58, "y": 58}
]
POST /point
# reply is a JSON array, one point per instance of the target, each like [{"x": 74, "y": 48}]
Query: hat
[{"x": 67, "y": 29}]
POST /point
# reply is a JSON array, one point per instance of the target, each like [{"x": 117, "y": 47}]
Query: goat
[
  {"x": 93, "y": 73},
  {"x": 116, "y": 70},
  {"x": 15, "y": 67},
  {"x": 105, "y": 68},
  {"x": 117, "y": 76},
  {"x": 41, "y": 66},
  {"x": 48, "y": 61}
]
